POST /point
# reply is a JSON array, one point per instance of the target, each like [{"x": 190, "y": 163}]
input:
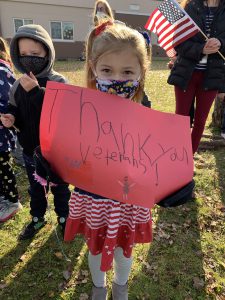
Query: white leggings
[{"x": 122, "y": 268}]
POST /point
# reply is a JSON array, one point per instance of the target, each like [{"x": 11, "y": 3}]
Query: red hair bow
[{"x": 102, "y": 27}]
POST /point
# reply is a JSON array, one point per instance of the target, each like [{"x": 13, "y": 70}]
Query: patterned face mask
[
  {"x": 125, "y": 89},
  {"x": 34, "y": 64}
]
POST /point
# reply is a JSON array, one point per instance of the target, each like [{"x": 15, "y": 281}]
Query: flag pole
[{"x": 205, "y": 36}]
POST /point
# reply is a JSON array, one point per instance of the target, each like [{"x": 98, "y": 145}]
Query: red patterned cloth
[{"x": 107, "y": 224}]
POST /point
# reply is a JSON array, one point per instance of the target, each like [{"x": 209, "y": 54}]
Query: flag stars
[{"x": 171, "y": 11}]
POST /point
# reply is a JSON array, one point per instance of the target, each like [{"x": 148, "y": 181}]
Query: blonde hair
[
  {"x": 184, "y": 3},
  {"x": 109, "y": 12},
  {"x": 114, "y": 38},
  {"x": 4, "y": 51}
]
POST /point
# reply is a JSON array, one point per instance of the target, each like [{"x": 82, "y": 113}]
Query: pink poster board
[{"x": 114, "y": 147}]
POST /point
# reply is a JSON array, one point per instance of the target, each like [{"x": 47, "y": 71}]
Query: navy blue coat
[{"x": 7, "y": 138}]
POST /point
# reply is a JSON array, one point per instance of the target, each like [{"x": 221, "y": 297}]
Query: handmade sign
[{"x": 114, "y": 147}]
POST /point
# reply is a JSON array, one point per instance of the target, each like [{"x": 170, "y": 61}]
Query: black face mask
[{"x": 34, "y": 64}]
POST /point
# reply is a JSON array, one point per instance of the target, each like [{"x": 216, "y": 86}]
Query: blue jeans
[{"x": 38, "y": 203}]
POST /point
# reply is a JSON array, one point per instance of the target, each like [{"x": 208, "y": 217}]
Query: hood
[{"x": 38, "y": 33}]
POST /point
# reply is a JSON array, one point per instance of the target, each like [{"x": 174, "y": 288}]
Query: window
[
  {"x": 21, "y": 22},
  {"x": 62, "y": 31},
  {"x": 134, "y": 7}
]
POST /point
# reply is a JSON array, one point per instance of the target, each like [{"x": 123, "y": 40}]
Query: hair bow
[{"x": 102, "y": 27}]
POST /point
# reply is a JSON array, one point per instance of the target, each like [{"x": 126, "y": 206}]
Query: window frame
[
  {"x": 23, "y": 20},
  {"x": 62, "y": 39}
]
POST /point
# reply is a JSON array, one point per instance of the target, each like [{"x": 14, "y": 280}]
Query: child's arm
[
  {"x": 35, "y": 93},
  {"x": 6, "y": 81}
]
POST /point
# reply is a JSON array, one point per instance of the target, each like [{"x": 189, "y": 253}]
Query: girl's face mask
[
  {"x": 34, "y": 64},
  {"x": 125, "y": 89},
  {"x": 101, "y": 14}
]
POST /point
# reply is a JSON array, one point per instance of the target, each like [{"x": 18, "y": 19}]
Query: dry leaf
[
  {"x": 83, "y": 296},
  {"x": 23, "y": 257},
  {"x": 62, "y": 286},
  {"x": 50, "y": 274},
  {"x": 51, "y": 294},
  {"x": 84, "y": 280},
  {"x": 59, "y": 255},
  {"x": 198, "y": 283},
  {"x": 2, "y": 286},
  {"x": 84, "y": 272},
  {"x": 66, "y": 275}
]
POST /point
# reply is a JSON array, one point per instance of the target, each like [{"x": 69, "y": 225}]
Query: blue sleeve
[{"x": 6, "y": 81}]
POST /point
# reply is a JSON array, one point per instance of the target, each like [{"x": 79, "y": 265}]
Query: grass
[{"x": 185, "y": 261}]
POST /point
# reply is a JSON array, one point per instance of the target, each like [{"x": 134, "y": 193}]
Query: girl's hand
[
  {"x": 211, "y": 46},
  {"x": 28, "y": 82},
  {"x": 7, "y": 120}
]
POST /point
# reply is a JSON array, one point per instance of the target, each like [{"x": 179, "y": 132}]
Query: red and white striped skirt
[{"x": 107, "y": 224}]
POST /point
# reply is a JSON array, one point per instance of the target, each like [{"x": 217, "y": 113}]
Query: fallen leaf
[
  {"x": 2, "y": 286},
  {"x": 59, "y": 255},
  {"x": 62, "y": 286},
  {"x": 84, "y": 280},
  {"x": 84, "y": 272},
  {"x": 83, "y": 296},
  {"x": 23, "y": 257},
  {"x": 51, "y": 294},
  {"x": 50, "y": 274},
  {"x": 66, "y": 275},
  {"x": 198, "y": 283}
]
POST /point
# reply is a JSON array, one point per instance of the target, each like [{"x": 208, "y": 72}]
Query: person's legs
[
  {"x": 98, "y": 277},
  {"x": 38, "y": 202},
  {"x": 204, "y": 101},
  {"x": 122, "y": 269},
  {"x": 8, "y": 180},
  {"x": 184, "y": 99},
  {"x": 192, "y": 113},
  {"x": 62, "y": 195},
  {"x": 99, "y": 291},
  {"x": 18, "y": 154},
  {"x": 10, "y": 203}
]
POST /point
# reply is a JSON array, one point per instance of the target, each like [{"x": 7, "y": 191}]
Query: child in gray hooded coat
[{"x": 33, "y": 55}]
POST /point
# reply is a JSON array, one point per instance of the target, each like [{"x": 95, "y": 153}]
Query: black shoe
[
  {"x": 62, "y": 224},
  {"x": 32, "y": 228}
]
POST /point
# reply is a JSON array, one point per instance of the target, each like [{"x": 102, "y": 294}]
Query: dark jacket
[
  {"x": 189, "y": 53},
  {"x": 26, "y": 106},
  {"x": 7, "y": 137}
]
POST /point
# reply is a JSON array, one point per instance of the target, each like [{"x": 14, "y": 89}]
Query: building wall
[
  {"x": 79, "y": 12},
  {"x": 43, "y": 14}
]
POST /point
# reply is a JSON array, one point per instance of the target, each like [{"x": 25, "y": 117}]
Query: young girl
[
  {"x": 102, "y": 10},
  {"x": 9, "y": 203},
  {"x": 116, "y": 62}
]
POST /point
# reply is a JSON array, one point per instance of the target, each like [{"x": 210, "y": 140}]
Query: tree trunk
[{"x": 218, "y": 113}]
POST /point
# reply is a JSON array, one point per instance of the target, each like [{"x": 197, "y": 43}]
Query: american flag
[{"x": 172, "y": 26}]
